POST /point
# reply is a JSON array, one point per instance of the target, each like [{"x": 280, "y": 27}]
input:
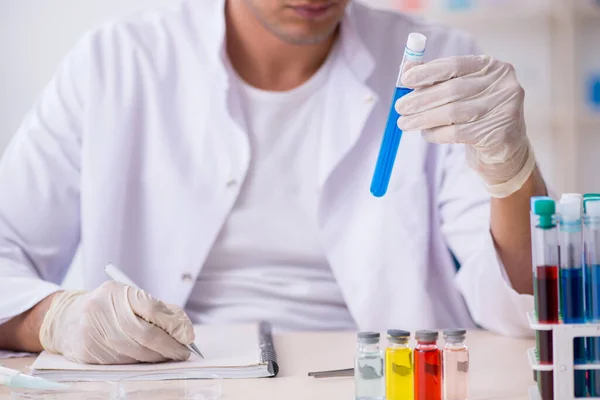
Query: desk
[{"x": 499, "y": 369}]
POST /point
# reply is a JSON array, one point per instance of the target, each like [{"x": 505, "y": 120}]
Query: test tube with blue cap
[{"x": 413, "y": 55}]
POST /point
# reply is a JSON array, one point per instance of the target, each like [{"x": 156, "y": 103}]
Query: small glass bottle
[
  {"x": 368, "y": 368},
  {"x": 456, "y": 365},
  {"x": 398, "y": 366},
  {"x": 428, "y": 366}
]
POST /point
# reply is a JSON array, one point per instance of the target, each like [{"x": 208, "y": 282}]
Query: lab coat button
[
  {"x": 369, "y": 99},
  {"x": 231, "y": 183},
  {"x": 187, "y": 278}
]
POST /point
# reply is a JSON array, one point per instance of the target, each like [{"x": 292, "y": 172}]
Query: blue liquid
[
  {"x": 594, "y": 383},
  {"x": 580, "y": 379},
  {"x": 594, "y": 95},
  {"x": 572, "y": 295},
  {"x": 572, "y": 311},
  {"x": 592, "y": 295},
  {"x": 389, "y": 148},
  {"x": 592, "y": 284},
  {"x": 580, "y": 384}
]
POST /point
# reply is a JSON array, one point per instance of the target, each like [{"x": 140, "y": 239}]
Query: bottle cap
[
  {"x": 545, "y": 208},
  {"x": 587, "y": 197},
  {"x": 398, "y": 333},
  {"x": 427, "y": 336},
  {"x": 368, "y": 337},
  {"x": 570, "y": 208},
  {"x": 454, "y": 332},
  {"x": 543, "y": 205},
  {"x": 416, "y": 42}
]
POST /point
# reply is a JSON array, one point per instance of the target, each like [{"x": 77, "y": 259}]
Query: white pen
[
  {"x": 11, "y": 378},
  {"x": 117, "y": 275}
]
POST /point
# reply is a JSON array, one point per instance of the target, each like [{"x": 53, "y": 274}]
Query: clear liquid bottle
[
  {"x": 399, "y": 379},
  {"x": 369, "y": 377},
  {"x": 455, "y": 365}
]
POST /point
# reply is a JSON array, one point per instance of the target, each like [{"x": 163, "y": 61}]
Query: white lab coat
[{"x": 135, "y": 152}]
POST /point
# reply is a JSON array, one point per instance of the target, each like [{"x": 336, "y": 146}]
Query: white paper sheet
[{"x": 224, "y": 348}]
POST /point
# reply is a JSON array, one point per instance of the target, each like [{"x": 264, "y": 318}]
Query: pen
[
  {"x": 16, "y": 379},
  {"x": 117, "y": 275}
]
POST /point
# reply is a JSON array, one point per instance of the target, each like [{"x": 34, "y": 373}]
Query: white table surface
[{"x": 499, "y": 368}]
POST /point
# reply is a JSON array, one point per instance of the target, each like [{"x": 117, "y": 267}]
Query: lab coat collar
[{"x": 209, "y": 17}]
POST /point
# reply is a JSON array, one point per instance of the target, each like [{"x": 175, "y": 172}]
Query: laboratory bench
[{"x": 499, "y": 368}]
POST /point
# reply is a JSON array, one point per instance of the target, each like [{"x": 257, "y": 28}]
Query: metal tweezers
[{"x": 334, "y": 373}]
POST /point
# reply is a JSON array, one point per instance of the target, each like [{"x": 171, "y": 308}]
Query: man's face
[{"x": 299, "y": 21}]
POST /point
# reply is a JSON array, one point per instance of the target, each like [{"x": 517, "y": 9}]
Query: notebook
[{"x": 242, "y": 351}]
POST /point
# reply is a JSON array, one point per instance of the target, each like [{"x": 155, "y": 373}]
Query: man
[{"x": 221, "y": 152}]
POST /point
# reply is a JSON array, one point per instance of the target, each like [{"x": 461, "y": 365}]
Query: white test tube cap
[
  {"x": 416, "y": 42},
  {"x": 570, "y": 207}
]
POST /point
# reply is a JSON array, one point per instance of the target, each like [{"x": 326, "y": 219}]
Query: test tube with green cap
[
  {"x": 592, "y": 344},
  {"x": 591, "y": 233},
  {"x": 544, "y": 241}
]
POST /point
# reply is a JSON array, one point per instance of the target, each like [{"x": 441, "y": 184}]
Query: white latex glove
[
  {"x": 475, "y": 100},
  {"x": 115, "y": 324}
]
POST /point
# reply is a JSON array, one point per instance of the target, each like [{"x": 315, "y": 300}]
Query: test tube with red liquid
[
  {"x": 545, "y": 258},
  {"x": 544, "y": 241},
  {"x": 428, "y": 367}
]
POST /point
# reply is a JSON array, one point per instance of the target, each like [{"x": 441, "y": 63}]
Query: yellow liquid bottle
[{"x": 399, "y": 366}]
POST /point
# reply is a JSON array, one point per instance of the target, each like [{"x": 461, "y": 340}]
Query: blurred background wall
[{"x": 554, "y": 45}]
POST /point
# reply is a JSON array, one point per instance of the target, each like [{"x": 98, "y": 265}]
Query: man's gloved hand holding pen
[
  {"x": 477, "y": 101},
  {"x": 115, "y": 324}
]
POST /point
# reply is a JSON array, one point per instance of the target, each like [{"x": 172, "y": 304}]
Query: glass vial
[
  {"x": 455, "y": 365},
  {"x": 368, "y": 368},
  {"x": 398, "y": 366},
  {"x": 428, "y": 366}
]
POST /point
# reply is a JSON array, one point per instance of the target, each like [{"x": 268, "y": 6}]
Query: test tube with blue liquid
[
  {"x": 413, "y": 55},
  {"x": 571, "y": 278},
  {"x": 591, "y": 223}
]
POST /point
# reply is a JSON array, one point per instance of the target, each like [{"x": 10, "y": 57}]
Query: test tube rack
[{"x": 563, "y": 365}]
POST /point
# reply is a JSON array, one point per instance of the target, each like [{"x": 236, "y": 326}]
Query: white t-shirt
[{"x": 268, "y": 262}]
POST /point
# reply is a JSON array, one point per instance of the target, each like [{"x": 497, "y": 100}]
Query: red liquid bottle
[{"x": 428, "y": 367}]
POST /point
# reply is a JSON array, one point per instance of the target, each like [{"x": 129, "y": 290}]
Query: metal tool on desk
[
  {"x": 334, "y": 373},
  {"x": 117, "y": 275}
]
